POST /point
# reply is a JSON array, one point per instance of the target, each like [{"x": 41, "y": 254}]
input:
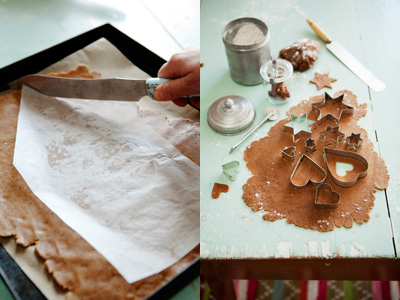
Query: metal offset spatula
[
  {"x": 117, "y": 89},
  {"x": 349, "y": 60}
]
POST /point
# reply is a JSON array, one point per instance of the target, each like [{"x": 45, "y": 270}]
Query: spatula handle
[
  {"x": 153, "y": 83},
  {"x": 319, "y": 31}
]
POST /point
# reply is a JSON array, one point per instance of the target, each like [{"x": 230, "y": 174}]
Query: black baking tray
[{"x": 18, "y": 283}]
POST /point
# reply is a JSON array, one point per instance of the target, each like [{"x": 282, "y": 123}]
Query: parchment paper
[
  {"x": 125, "y": 189},
  {"x": 104, "y": 57}
]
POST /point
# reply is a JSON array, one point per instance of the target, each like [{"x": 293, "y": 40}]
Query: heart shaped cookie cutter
[
  {"x": 343, "y": 153},
  {"x": 231, "y": 169},
  {"x": 336, "y": 195},
  {"x": 288, "y": 153},
  {"x": 317, "y": 166}
]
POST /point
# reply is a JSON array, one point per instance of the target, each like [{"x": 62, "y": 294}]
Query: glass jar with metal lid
[{"x": 277, "y": 75}]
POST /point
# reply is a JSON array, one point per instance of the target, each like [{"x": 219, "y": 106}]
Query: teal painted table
[
  {"x": 235, "y": 241},
  {"x": 164, "y": 27}
]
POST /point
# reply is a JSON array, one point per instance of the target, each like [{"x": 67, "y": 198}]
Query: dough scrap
[
  {"x": 218, "y": 189},
  {"x": 270, "y": 190},
  {"x": 74, "y": 264}
]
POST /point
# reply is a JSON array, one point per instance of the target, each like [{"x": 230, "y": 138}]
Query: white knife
[{"x": 348, "y": 60}]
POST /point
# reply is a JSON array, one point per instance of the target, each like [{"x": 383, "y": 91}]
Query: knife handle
[
  {"x": 319, "y": 31},
  {"x": 153, "y": 83}
]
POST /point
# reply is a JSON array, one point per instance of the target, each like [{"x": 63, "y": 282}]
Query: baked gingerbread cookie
[{"x": 322, "y": 80}]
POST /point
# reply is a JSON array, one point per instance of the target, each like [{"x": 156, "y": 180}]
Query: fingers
[
  {"x": 184, "y": 71},
  {"x": 183, "y": 102},
  {"x": 176, "y": 88},
  {"x": 181, "y": 64}
]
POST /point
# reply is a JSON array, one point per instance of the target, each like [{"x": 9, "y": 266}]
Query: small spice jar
[{"x": 277, "y": 75}]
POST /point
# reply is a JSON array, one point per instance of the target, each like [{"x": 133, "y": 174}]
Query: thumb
[{"x": 175, "y": 88}]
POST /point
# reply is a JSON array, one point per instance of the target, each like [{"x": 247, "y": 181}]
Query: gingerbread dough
[
  {"x": 302, "y": 54},
  {"x": 270, "y": 189},
  {"x": 75, "y": 265},
  {"x": 218, "y": 189},
  {"x": 322, "y": 80}
]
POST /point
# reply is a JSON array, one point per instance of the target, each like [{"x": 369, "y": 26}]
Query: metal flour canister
[{"x": 247, "y": 49}]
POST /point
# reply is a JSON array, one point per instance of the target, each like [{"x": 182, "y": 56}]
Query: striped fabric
[{"x": 312, "y": 290}]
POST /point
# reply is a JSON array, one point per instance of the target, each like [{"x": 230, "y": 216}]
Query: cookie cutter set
[
  {"x": 353, "y": 142},
  {"x": 250, "y": 64}
]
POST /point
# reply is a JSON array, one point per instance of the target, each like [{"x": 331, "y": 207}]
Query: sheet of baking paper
[{"x": 125, "y": 189}]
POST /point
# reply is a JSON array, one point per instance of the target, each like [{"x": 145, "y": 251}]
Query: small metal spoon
[{"x": 271, "y": 113}]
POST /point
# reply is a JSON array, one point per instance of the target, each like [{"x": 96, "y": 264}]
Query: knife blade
[
  {"x": 348, "y": 60},
  {"x": 118, "y": 89}
]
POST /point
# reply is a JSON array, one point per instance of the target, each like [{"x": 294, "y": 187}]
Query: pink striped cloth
[{"x": 318, "y": 290}]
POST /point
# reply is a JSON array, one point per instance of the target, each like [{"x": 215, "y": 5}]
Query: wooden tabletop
[{"x": 232, "y": 235}]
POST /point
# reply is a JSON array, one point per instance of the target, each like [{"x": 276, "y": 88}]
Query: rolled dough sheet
[
  {"x": 270, "y": 190},
  {"x": 179, "y": 132}
]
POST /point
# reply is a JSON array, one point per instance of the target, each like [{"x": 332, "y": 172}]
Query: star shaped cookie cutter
[
  {"x": 344, "y": 109},
  {"x": 310, "y": 145},
  {"x": 299, "y": 121},
  {"x": 288, "y": 153},
  {"x": 333, "y": 130},
  {"x": 354, "y": 141}
]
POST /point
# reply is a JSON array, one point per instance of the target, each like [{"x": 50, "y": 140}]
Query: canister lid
[
  {"x": 281, "y": 71},
  {"x": 230, "y": 115}
]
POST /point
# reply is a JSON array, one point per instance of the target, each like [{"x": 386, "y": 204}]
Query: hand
[{"x": 184, "y": 70}]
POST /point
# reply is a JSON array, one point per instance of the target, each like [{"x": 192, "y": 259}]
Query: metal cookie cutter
[
  {"x": 295, "y": 120},
  {"x": 345, "y": 184},
  {"x": 335, "y": 195},
  {"x": 231, "y": 169},
  {"x": 354, "y": 141},
  {"x": 317, "y": 167},
  {"x": 310, "y": 145},
  {"x": 288, "y": 153},
  {"x": 333, "y": 130},
  {"x": 344, "y": 109}
]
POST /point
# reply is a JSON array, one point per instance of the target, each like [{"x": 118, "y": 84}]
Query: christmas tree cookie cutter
[
  {"x": 300, "y": 121},
  {"x": 343, "y": 153},
  {"x": 344, "y": 109}
]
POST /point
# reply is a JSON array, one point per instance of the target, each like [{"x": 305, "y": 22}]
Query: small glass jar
[{"x": 278, "y": 72}]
